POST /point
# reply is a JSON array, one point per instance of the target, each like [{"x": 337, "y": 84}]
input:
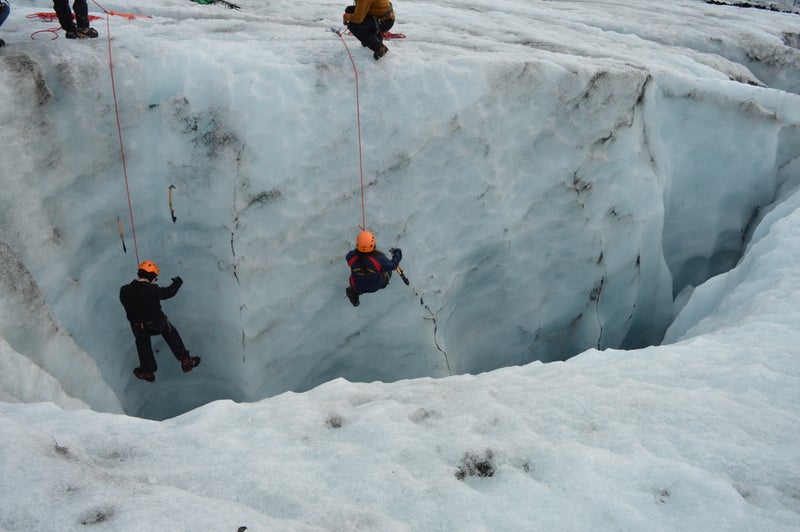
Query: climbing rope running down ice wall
[
  {"x": 358, "y": 120},
  {"x": 119, "y": 135},
  {"x": 341, "y": 34}
]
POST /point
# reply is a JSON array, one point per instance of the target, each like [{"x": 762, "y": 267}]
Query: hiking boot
[
  {"x": 82, "y": 33},
  {"x": 144, "y": 375},
  {"x": 90, "y": 33},
  {"x": 188, "y": 363},
  {"x": 380, "y": 52},
  {"x": 352, "y": 295}
]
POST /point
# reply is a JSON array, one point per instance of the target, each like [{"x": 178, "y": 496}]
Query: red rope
[
  {"x": 358, "y": 116},
  {"x": 129, "y": 16},
  {"x": 119, "y": 132},
  {"x": 50, "y": 16},
  {"x": 54, "y": 31}
]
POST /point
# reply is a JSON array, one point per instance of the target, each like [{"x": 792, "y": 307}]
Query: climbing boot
[
  {"x": 380, "y": 52},
  {"x": 352, "y": 295},
  {"x": 82, "y": 33},
  {"x": 188, "y": 363},
  {"x": 144, "y": 375}
]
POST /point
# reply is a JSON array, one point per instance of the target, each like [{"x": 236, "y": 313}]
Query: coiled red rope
[{"x": 50, "y": 16}]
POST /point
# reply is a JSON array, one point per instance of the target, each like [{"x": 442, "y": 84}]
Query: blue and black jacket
[{"x": 369, "y": 272}]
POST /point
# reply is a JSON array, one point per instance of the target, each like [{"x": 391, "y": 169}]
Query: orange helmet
[
  {"x": 365, "y": 242},
  {"x": 149, "y": 266}
]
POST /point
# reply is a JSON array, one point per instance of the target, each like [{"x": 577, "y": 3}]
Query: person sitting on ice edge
[
  {"x": 142, "y": 301},
  {"x": 370, "y": 270},
  {"x": 367, "y": 21}
]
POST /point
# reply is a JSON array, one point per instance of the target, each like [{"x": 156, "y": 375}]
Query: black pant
[
  {"x": 65, "y": 15},
  {"x": 142, "y": 333},
  {"x": 370, "y": 30}
]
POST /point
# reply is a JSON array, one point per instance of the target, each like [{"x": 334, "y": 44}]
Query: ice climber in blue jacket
[{"x": 370, "y": 269}]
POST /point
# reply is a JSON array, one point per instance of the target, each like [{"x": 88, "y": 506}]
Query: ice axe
[
  {"x": 121, "y": 236},
  {"x": 402, "y": 275},
  {"x": 171, "y": 210},
  {"x": 400, "y": 270}
]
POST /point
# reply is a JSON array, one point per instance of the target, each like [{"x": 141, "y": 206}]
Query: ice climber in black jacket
[{"x": 142, "y": 301}]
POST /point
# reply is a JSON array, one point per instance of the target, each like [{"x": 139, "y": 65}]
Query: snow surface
[{"x": 572, "y": 184}]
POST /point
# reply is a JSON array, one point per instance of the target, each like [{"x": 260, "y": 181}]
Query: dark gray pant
[
  {"x": 65, "y": 15},
  {"x": 369, "y": 32},
  {"x": 142, "y": 331}
]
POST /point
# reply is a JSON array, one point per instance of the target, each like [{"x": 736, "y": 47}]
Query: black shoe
[
  {"x": 90, "y": 33},
  {"x": 82, "y": 33},
  {"x": 380, "y": 52},
  {"x": 352, "y": 295},
  {"x": 2, "y": 43},
  {"x": 188, "y": 363},
  {"x": 144, "y": 375}
]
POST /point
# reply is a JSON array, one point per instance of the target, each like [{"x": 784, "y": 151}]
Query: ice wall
[{"x": 545, "y": 204}]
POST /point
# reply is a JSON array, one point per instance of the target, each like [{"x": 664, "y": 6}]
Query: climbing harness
[{"x": 365, "y": 271}]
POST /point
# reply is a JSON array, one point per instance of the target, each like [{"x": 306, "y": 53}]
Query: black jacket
[{"x": 142, "y": 300}]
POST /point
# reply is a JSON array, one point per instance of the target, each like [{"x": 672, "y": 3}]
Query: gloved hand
[
  {"x": 349, "y": 10},
  {"x": 177, "y": 280},
  {"x": 397, "y": 254}
]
